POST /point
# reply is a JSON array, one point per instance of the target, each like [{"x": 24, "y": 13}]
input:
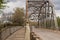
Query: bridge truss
[{"x": 42, "y": 12}]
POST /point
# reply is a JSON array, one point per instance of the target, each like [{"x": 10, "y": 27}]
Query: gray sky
[
  {"x": 22, "y": 3},
  {"x": 57, "y": 7},
  {"x": 14, "y": 3}
]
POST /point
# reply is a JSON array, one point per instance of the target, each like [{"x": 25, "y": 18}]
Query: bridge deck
[
  {"x": 47, "y": 35},
  {"x": 19, "y": 35}
]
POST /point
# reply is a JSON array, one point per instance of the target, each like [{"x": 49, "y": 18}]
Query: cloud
[
  {"x": 16, "y": 0},
  {"x": 14, "y": 4},
  {"x": 57, "y": 4},
  {"x": 57, "y": 12},
  {"x": 57, "y": 7},
  {"x": 11, "y": 0},
  {"x": 22, "y": 3}
]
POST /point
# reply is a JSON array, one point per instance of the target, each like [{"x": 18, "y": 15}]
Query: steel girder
[{"x": 42, "y": 12}]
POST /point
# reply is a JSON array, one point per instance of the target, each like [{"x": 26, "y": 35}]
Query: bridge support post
[
  {"x": 55, "y": 20},
  {"x": 27, "y": 34},
  {"x": 37, "y": 38}
]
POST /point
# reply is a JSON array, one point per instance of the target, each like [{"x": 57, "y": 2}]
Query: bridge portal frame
[{"x": 45, "y": 5}]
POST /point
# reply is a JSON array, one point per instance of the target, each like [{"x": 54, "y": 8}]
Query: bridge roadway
[
  {"x": 18, "y": 35},
  {"x": 46, "y": 34}
]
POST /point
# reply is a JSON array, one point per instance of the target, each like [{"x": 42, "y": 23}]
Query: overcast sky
[
  {"x": 14, "y": 3},
  {"x": 22, "y": 3},
  {"x": 57, "y": 7}
]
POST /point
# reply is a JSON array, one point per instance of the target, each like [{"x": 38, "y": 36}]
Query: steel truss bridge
[
  {"x": 42, "y": 11},
  {"x": 38, "y": 11}
]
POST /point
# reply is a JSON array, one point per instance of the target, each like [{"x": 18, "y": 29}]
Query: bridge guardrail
[
  {"x": 6, "y": 32},
  {"x": 27, "y": 34},
  {"x": 34, "y": 36}
]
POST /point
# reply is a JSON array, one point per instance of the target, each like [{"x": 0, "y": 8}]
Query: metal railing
[
  {"x": 34, "y": 36},
  {"x": 6, "y": 32}
]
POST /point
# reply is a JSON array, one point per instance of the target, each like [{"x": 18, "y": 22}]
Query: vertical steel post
[
  {"x": 55, "y": 20},
  {"x": 52, "y": 16},
  {"x": 45, "y": 16},
  {"x": 26, "y": 8},
  {"x": 39, "y": 17},
  {"x": 48, "y": 15}
]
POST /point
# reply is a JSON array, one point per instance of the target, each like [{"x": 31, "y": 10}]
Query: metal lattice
[{"x": 42, "y": 11}]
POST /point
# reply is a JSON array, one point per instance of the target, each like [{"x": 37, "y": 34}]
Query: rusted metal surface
[{"x": 42, "y": 11}]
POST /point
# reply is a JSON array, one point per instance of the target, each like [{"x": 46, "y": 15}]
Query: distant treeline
[{"x": 58, "y": 21}]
